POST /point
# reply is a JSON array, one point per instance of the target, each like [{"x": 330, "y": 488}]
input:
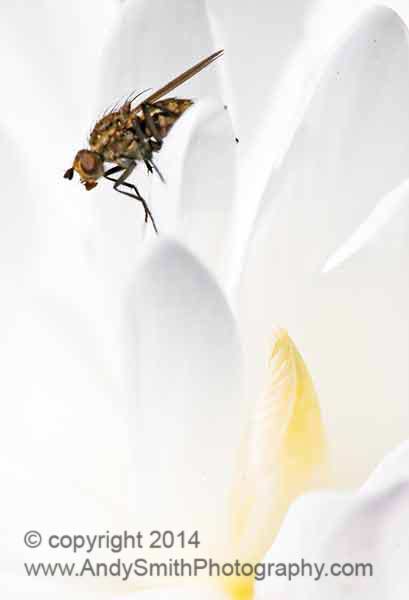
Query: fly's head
[{"x": 90, "y": 167}]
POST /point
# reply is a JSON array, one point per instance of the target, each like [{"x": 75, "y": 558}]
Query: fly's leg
[
  {"x": 156, "y": 144},
  {"x": 152, "y": 167},
  {"x": 149, "y": 167},
  {"x": 136, "y": 195},
  {"x": 141, "y": 136},
  {"x": 112, "y": 171},
  {"x": 158, "y": 139},
  {"x": 145, "y": 142},
  {"x": 155, "y": 147}
]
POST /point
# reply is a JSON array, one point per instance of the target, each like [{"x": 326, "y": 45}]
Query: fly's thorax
[
  {"x": 112, "y": 137},
  {"x": 125, "y": 145},
  {"x": 108, "y": 128},
  {"x": 126, "y": 133}
]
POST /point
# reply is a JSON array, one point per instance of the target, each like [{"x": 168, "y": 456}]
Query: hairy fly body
[{"x": 128, "y": 136}]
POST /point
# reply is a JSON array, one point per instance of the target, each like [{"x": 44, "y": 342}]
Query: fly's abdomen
[
  {"x": 168, "y": 112},
  {"x": 163, "y": 113}
]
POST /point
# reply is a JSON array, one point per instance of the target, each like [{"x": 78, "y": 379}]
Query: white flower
[{"x": 134, "y": 398}]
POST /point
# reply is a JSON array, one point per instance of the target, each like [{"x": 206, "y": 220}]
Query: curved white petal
[
  {"x": 351, "y": 146},
  {"x": 350, "y": 324},
  {"x": 329, "y": 18},
  {"x": 196, "y": 204},
  {"x": 269, "y": 83},
  {"x": 66, "y": 458},
  {"x": 394, "y": 467},
  {"x": 185, "y": 376},
  {"x": 367, "y": 527},
  {"x": 82, "y": 451}
]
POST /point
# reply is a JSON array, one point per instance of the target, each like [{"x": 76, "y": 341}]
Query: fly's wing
[{"x": 166, "y": 89}]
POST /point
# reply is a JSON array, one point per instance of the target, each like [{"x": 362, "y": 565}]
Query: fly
[{"x": 128, "y": 136}]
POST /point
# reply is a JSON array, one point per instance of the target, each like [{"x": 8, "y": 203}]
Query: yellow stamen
[{"x": 284, "y": 453}]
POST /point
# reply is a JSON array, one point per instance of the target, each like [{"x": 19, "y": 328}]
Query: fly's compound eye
[
  {"x": 88, "y": 163},
  {"x": 69, "y": 174}
]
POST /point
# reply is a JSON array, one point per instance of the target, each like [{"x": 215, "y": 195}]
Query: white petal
[
  {"x": 79, "y": 454},
  {"x": 329, "y": 18},
  {"x": 394, "y": 467},
  {"x": 66, "y": 458},
  {"x": 269, "y": 84},
  {"x": 185, "y": 371},
  {"x": 196, "y": 204},
  {"x": 350, "y": 324},
  {"x": 366, "y": 527},
  {"x": 350, "y": 149}
]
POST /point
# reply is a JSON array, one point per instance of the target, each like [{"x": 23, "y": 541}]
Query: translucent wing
[{"x": 180, "y": 79}]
